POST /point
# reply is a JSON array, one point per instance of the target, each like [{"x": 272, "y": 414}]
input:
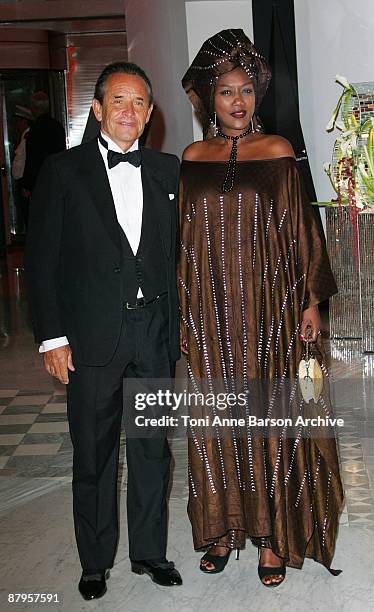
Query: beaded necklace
[{"x": 228, "y": 183}]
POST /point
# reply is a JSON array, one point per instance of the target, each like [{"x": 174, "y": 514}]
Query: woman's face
[{"x": 234, "y": 101}]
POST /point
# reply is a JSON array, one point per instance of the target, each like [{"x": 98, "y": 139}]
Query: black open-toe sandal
[
  {"x": 270, "y": 571},
  {"x": 218, "y": 561}
]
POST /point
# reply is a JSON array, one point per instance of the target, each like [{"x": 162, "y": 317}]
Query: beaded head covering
[{"x": 219, "y": 54}]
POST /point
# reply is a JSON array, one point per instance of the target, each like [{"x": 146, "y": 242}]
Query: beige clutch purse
[{"x": 310, "y": 376}]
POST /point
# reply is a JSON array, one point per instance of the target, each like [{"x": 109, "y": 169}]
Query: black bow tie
[{"x": 114, "y": 157}]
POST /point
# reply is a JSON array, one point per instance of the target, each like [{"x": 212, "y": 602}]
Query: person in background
[
  {"x": 23, "y": 119},
  {"x": 46, "y": 136}
]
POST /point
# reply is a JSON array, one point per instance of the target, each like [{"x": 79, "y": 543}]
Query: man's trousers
[{"x": 95, "y": 403}]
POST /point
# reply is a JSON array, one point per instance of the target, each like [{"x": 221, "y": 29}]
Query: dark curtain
[{"x": 274, "y": 36}]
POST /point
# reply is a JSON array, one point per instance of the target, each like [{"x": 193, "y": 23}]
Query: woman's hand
[
  {"x": 310, "y": 324},
  {"x": 183, "y": 341}
]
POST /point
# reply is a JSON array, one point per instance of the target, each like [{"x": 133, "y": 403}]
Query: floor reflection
[
  {"x": 20, "y": 364},
  {"x": 14, "y": 317}
]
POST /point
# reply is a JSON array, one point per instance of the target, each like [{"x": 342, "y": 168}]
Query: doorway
[{"x": 16, "y": 89}]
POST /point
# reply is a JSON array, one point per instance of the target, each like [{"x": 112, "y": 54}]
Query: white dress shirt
[
  {"x": 18, "y": 165},
  {"x": 126, "y": 185}
]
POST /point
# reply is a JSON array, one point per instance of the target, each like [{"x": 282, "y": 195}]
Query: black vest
[{"x": 146, "y": 269}]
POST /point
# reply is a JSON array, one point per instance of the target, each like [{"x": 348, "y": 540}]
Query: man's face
[{"x": 125, "y": 109}]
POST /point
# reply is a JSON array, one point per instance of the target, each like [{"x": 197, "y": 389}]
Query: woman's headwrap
[{"x": 219, "y": 54}]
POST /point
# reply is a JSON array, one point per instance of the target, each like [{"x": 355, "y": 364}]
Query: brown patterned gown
[{"x": 250, "y": 260}]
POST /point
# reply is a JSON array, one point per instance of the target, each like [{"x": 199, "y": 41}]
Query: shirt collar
[{"x": 114, "y": 147}]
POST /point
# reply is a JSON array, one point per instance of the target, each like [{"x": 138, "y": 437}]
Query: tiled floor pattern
[
  {"x": 33, "y": 432},
  {"x": 35, "y": 442}
]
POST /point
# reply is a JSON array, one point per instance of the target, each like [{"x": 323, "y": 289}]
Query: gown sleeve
[
  {"x": 183, "y": 256},
  {"x": 312, "y": 258}
]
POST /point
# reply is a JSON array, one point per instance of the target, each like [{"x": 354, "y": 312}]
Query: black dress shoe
[
  {"x": 164, "y": 574},
  {"x": 94, "y": 586}
]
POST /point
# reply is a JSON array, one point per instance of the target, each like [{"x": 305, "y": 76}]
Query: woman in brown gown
[{"x": 252, "y": 270}]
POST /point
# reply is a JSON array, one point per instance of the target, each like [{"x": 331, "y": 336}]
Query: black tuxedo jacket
[{"x": 73, "y": 252}]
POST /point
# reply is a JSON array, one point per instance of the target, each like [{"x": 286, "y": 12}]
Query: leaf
[
  {"x": 368, "y": 182},
  {"x": 370, "y": 147},
  {"x": 331, "y": 123},
  {"x": 369, "y": 159},
  {"x": 355, "y": 124},
  {"x": 346, "y": 102}
]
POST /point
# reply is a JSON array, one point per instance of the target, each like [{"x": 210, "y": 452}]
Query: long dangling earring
[
  {"x": 214, "y": 124},
  {"x": 252, "y": 127}
]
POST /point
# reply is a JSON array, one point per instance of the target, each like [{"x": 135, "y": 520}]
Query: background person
[
  {"x": 23, "y": 120},
  {"x": 46, "y": 136}
]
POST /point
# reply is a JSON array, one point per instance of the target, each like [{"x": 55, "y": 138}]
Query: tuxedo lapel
[
  {"x": 155, "y": 194},
  {"x": 94, "y": 175}
]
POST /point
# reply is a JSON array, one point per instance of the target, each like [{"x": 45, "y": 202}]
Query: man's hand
[
  {"x": 310, "y": 324},
  {"x": 58, "y": 361}
]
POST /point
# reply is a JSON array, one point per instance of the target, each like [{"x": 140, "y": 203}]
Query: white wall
[
  {"x": 157, "y": 41},
  {"x": 333, "y": 37},
  {"x": 205, "y": 18}
]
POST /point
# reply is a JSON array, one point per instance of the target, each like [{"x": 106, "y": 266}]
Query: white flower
[
  {"x": 347, "y": 143},
  {"x": 331, "y": 123},
  {"x": 327, "y": 167},
  {"x": 342, "y": 81},
  {"x": 345, "y": 148},
  {"x": 362, "y": 169},
  {"x": 340, "y": 125},
  {"x": 344, "y": 184}
]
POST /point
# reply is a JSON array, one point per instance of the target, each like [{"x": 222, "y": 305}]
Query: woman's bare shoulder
[
  {"x": 196, "y": 151},
  {"x": 277, "y": 146}
]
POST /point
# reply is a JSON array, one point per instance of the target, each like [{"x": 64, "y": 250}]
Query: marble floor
[{"x": 38, "y": 553}]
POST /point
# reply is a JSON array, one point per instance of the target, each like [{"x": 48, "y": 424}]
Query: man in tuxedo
[{"x": 101, "y": 272}]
